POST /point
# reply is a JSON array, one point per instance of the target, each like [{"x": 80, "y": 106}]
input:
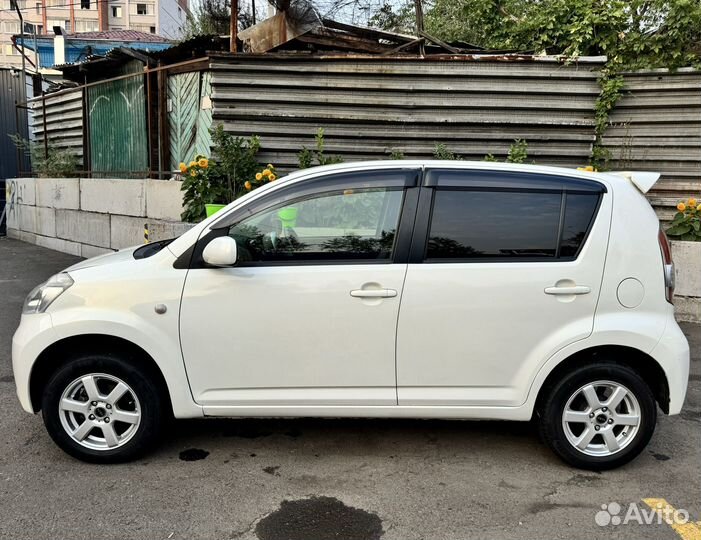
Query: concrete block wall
[
  {"x": 88, "y": 217},
  {"x": 687, "y": 292}
]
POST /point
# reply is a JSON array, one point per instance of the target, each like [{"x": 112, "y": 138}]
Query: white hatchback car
[{"x": 420, "y": 289}]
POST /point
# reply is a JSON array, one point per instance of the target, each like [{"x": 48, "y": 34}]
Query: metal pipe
[
  {"x": 36, "y": 50},
  {"x": 234, "y": 25},
  {"x": 43, "y": 117},
  {"x": 14, "y": 4}
]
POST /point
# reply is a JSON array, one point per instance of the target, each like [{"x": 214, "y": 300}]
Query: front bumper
[{"x": 34, "y": 334}]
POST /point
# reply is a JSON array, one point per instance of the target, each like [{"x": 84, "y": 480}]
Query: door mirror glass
[{"x": 221, "y": 251}]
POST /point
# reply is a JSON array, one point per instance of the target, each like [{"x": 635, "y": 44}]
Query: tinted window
[
  {"x": 579, "y": 212},
  {"x": 493, "y": 224},
  {"x": 352, "y": 224}
]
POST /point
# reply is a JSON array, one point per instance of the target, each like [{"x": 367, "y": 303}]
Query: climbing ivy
[{"x": 611, "y": 84}]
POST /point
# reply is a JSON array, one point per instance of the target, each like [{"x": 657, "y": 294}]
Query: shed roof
[
  {"x": 84, "y": 45},
  {"x": 119, "y": 35}
]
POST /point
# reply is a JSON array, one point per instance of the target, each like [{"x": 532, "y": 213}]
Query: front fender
[{"x": 160, "y": 341}]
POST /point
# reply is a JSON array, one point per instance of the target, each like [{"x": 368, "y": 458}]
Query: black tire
[
  {"x": 550, "y": 415},
  {"x": 151, "y": 407}
]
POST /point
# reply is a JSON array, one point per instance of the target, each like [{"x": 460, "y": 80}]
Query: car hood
[{"x": 108, "y": 258}]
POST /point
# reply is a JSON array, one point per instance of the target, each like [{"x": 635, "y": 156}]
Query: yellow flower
[
  {"x": 248, "y": 185},
  {"x": 193, "y": 173},
  {"x": 259, "y": 176},
  {"x": 272, "y": 177},
  {"x": 270, "y": 166},
  {"x": 193, "y": 164},
  {"x": 698, "y": 208},
  {"x": 266, "y": 172},
  {"x": 681, "y": 207},
  {"x": 204, "y": 163},
  {"x": 692, "y": 202},
  {"x": 588, "y": 168},
  {"x": 183, "y": 167}
]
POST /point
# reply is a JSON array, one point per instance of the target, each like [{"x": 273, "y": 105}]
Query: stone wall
[
  {"x": 88, "y": 217},
  {"x": 687, "y": 293}
]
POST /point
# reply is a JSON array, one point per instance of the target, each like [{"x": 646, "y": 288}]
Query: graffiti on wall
[{"x": 14, "y": 197}]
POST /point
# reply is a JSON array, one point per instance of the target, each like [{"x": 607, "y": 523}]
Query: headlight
[{"x": 41, "y": 297}]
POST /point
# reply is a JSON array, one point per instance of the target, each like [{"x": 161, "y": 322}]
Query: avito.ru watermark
[{"x": 611, "y": 514}]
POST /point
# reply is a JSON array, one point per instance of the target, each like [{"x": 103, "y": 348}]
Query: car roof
[{"x": 607, "y": 178}]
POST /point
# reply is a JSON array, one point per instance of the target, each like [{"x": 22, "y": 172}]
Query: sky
[{"x": 349, "y": 11}]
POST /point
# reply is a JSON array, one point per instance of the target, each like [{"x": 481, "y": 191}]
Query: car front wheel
[
  {"x": 102, "y": 409},
  {"x": 598, "y": 417}
]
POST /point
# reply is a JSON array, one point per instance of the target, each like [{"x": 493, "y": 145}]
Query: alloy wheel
[
  {"x": 99, "y": 411},
  {"x": 601, "y": 418}
]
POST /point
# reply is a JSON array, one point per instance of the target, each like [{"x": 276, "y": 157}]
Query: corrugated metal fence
[
  {"x": 656, "y": 126},
  {"x": 118, "y": 133},
  {"x": 60, "y": 116},
  {"x": 12, "y": 120},
  {"x": 370, "y": 107},
  {"x": 190, "y": 116}
]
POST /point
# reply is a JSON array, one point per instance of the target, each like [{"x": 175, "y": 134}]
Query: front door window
[{"x": 345, "y": 225}]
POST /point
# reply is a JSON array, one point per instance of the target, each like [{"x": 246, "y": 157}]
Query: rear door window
[
  {"x": 506, "y": 216},
  {"x": 495, "y": 225}
]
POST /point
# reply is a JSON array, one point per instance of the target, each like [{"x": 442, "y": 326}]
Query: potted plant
[
  {"x": 204, "y": 193},
  {"x": 685, "y": 233},
  {"x": 211, "y": 184}
]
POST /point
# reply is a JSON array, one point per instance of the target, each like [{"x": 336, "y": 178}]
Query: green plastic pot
[
  {"x": 213, "y": 208},
  {"x": 288, "y": 216}
]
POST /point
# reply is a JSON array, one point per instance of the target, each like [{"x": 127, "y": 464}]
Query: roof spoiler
[{"x": 640, "y": 179}]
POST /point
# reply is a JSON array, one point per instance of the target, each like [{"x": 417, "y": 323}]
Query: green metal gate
[
  {"x": 189, "y": 115},
  {"x": 118, "y": 132}
]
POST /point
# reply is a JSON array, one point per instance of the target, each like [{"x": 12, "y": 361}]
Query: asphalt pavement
[{"x": 307, "y": 479}]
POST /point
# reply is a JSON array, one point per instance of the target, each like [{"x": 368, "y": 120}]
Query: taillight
[{"x": 667, "y": 265}]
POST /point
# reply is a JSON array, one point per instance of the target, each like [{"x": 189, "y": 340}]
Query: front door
[
  {"x": 308, "y": 315},
  {"x": 506, "y": 269}
]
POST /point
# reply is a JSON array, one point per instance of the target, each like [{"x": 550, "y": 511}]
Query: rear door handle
[
  {"x": 373, "y": 293},
  {"x": 577, "y": 289}
]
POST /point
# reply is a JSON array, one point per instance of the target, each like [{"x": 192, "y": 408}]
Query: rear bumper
[
  {"x": 672, "y": 353},
  {"x": 34, "y": 334}
]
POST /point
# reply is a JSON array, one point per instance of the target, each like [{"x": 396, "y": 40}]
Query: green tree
[
  {"x": 212, "y": 18},
  {"x": 632, "y": 33},
  {"x": 308, "y": 156}
]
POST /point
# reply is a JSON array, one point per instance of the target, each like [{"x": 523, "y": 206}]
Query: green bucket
[
  {"x": 288, "y": 216},
  {"x": 213, "y": 208}
]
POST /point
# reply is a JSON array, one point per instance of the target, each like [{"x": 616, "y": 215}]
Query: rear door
[{"x": 505, "y": 269}]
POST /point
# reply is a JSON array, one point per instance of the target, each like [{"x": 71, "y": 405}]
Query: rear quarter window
[{"x": 580, "y": 210}]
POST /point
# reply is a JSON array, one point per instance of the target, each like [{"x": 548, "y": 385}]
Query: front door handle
[
  {"x": 575, "y": 289},
  {"x": 373, "y": 293}
]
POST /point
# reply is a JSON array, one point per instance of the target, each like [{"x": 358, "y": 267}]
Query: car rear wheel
[
  {"x": 598, "y": 417},
  {"x": 102, "y": 409}
]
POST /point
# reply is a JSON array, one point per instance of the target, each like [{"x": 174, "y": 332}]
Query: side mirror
[{"x": 220, "y": 252}]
